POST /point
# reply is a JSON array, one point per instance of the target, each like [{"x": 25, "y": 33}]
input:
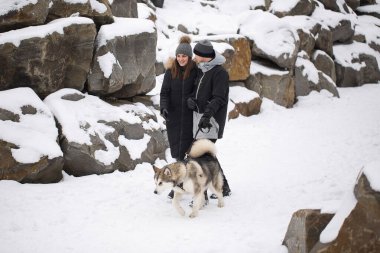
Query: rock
[
  {"x": 356, "y": 64},
  {"x": 236, "y": 50},
  {"x": 353, "y": 4},
  {"x": 366, "y": 31},
  {"x": 246, "y": 105},
  {"x": 323, "y": 62},
  {"x": 99, "y": 138},
  {"x": 158, "y": 3},
  {"x": 124, "y": 8},
  {"x": 29, "y": 152},
  {"x": 97, "y": 10},
  {"x": 118, "y": 68},
  {"x": 324, "y": 40},
  {"x": 360, "y": 231},
  {"x": 59, "y": 59},
  {"x": 340, "y": 24},
  {"x": 309, "y": 78},
  {"x": 145, "y": 12},
  {"x": 304, "y": 230},
  {"x": 27, "y": 13},
  {"x": 371, "y": 10},
  {"x": 280, "y": 47},
  {"x": 336, "y": 5},
  {"x": 301, "y": 7},
  {"x": 274, "y": 84}
]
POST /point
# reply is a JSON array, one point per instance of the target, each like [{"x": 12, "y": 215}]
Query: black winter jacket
[
  {"x": 211, "y": 95},
  {"x": 179, "y": 124}
]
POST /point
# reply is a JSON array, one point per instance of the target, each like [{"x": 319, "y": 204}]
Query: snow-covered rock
[
  {"x": 47, "y": 57},
  {"x": 28, "y": 139},
  {"x": 124, "y": 60}
]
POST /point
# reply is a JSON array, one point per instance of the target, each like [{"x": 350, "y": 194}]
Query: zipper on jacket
[{"x": 199, "y": 85}]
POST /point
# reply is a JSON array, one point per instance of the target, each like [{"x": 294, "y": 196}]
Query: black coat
[
  {"x": 211, "y": 94},
  {"x": 179, "y": 124}
]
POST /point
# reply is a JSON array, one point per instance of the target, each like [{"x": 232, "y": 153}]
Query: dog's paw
[
  {"x": 181, "y": 212},
  {"x": 193, "y": 215},
  {"x": 220, "y": 204}
]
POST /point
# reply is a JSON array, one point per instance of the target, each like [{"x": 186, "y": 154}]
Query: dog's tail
[{"x": 201, "y": 147}]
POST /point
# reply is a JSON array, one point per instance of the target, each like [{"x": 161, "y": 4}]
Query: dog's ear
[
  {"x": 167, "y": 172},
  {"x": 155, "y": 168}
]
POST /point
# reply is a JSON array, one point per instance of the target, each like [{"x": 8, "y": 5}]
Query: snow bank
[{"x": 7, "y": 6}]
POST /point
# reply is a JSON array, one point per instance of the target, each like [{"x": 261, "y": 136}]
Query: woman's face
[{"x": 182, "y": 59}]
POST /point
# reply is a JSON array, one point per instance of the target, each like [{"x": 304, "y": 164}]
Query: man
[{"x": 210, "y": 97}]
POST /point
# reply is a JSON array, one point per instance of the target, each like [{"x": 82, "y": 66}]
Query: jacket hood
[{"x": 218, "y": 60}]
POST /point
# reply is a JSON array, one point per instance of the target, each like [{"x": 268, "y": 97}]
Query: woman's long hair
[{"x": 176, "y": 69}]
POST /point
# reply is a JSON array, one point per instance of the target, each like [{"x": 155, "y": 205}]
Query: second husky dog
[{"x": 200, "y": 171}]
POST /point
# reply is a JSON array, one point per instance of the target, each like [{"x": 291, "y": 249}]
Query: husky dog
[{"x": 197, "y": 173}]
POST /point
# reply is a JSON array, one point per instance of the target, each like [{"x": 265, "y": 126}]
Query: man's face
[{"x": 199, "y": 59}]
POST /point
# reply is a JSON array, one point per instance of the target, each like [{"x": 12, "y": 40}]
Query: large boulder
[
  {"x": 243, "y": 102},
  {"x": 304, "y": 229},
  {"x": 124, "y": 62},
  {"x": 236, "y": 49},
  {"x": 340, "y": 24},
  {"x": 271, "y": 37},
  {"x": 98, "y": 138},
  {"x": 98, "y": 10},
  {"x": 124, "y": 8},
  {"x": 323, "y": 62},
  {"x": 48, "y": 57},
  {"x": 15, "y": 14},
  {"x": 367, "y": 29},
  {"x": 309, "y": 78},
  {"x": 355, "y": 227},
  {"x": 356, "y": 64},
  {"x": 272, "y": 83},
  {"x": 360, "y": 226},
  {"x": 29, "y": 151},
  {"x": 300, "y": 7}
]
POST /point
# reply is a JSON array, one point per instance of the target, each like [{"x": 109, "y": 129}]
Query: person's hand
[
  {"x": 164, "y": 113},
  {"x": 204, "y": 122},
  {"x": 191, "y": 104}
]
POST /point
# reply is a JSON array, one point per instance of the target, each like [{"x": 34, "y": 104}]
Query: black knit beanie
[{"x": 204, "y": 48}]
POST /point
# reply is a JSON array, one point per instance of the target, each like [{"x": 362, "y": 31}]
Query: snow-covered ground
[{"x": 276, "y": 162}]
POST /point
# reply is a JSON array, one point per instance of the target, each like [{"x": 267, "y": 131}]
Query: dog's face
[{"x": 163, "y": 179}]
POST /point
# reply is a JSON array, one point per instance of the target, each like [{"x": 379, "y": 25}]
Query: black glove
[
  {"x": 164, "y": 113},
  {"x": 204, "y": 122},
  {"x": 191, "y": 103}
]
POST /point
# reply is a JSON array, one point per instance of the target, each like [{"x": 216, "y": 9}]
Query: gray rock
[
  {"x": 49, "y": 63},
  {"x": 124, "y": 8},
  {"x": 131, "y": 58},
  {"x": 274, "y": 84},
  {"x": 62, "y": 9},
  {"x": 28, "y": 15},
  {"x": 303, "y": 7}
]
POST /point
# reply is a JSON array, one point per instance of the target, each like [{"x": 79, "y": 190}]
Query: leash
[{"x": 188, "y": 150}]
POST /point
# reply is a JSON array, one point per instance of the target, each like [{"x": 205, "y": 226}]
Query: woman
[{"x": 176, "y": 88}]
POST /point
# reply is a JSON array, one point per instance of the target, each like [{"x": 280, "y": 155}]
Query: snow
[
  {"x": 106, "y": 63},
  {"x": 135, "y": 146},
  {"x": 370, "y": 8},
  {"x": 309, "y": 70},
  {"x": 124, "y": 27},
  {"x": 144, "y": 11},
  {"x": 256, "y": 67},
  {"x": 277, "y": 162},
  {"x": 30, "y": 129},
  {"x": 70, "y": 113},
  {"x": 16, "y": 36},
  {"x": 270, "y": 33},
  {"x": 330, "y": 233},
  {"x": 240, "y": 94},
  {"x": 372, "y": 172},
  {"x": 347, "y": 55},
  {"x": 283, "y": 6},
  {"x": 7, "y": 6}
]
